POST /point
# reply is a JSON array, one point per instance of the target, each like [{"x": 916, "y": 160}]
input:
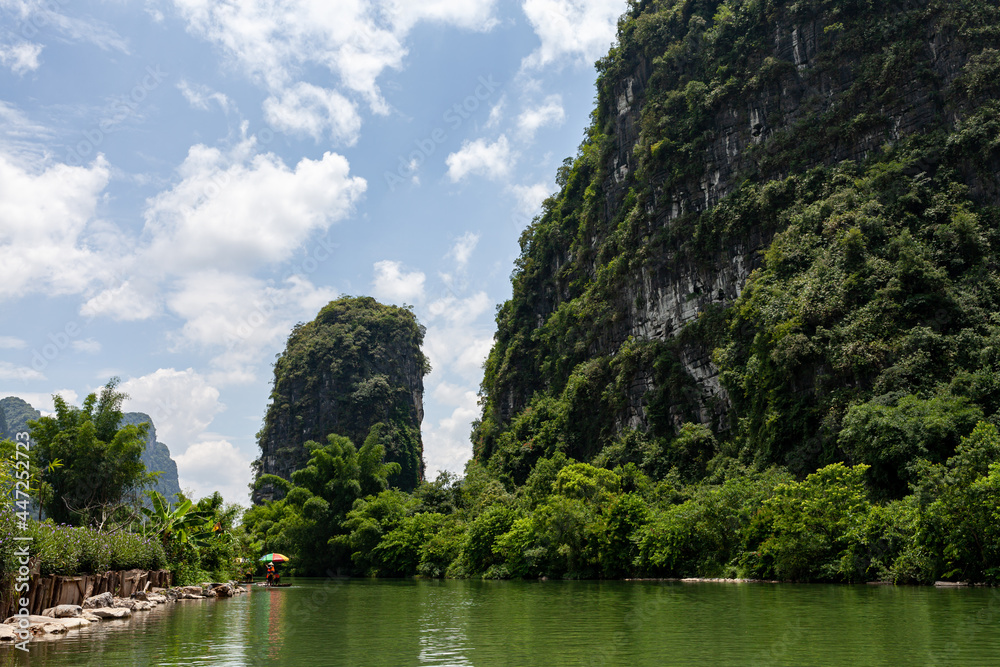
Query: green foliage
[
  {"x": 102, "y": 474},
  {"x": 322, "y": 521},
  {"x": 69, "y": 550},
  {"x": 806, "y": 525},
  {"x": 352, "y": 371}
]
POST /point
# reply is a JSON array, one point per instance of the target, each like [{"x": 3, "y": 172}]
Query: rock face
[
  {"x": 156, "y": 457},
  {"x": 356, "y": 366},
  {"x": 622, "y": 290}
]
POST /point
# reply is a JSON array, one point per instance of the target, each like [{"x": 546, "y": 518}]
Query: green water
[{"x": 358, "y": 623}]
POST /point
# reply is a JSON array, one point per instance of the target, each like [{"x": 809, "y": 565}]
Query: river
[{"x": 410, "y": 622}]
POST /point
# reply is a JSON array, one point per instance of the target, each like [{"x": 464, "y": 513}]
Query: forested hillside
[
  {"x": 754, "y": 334},
  {"x": 777, "y": 243}
]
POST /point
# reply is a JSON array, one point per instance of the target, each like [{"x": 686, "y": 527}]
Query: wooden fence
[{"x": 53, "y": 590}]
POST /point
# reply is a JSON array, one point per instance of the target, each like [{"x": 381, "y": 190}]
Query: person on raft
[{"x": 270, "y": 574}]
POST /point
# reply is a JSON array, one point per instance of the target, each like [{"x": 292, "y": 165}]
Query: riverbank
[{"x": 58, "y": 621}]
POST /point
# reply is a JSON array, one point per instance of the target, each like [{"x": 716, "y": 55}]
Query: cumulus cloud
[
  {"x": 128, "y": 301},
  {"x": 182, "y": 404},
  {"x": 549, "y": 113},
  {"x": 492, "y": 160},
  {"x": 468, "y": 14},
  {"x": 215, "y": 465},
  {"x": 47, "y": 212},
  {"x": 457, "y": 341},
  {"x": 571, "y": 30},
  {"x": 391, "y": 283},
  {"x": 239, "y": 317},
  {"x": 307, "y": 109},
  {"x": 241, "y": 210},
  {"x": 529, "y": 198},
  {"x": 446, "y": 442},
  {"x": 273, "y": 41},
  {"x": 21, "y": 57}
]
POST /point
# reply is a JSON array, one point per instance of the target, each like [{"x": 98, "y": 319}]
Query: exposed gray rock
[
  {"x": 112, "y": 612},
  {"x": 64, "y": 611},
  {"x": 103, "y": 600}
]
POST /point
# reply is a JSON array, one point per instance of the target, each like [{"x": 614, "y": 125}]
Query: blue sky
[{"x": 181, "y": 181}]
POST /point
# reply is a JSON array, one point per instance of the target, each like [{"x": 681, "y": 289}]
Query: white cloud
[
  {"x": 182, "y": 404},
  {"x": 529, "y": 198},
  {"x": 242, "y": 210},
  {"x": 45, "y": 214},
  {"x": 446, "y": 443},
  {"x": 215, "y": 465},
  {"x": 468, "y": 14},
  {"x": 549, "y": 113},
  {"x": 126, "y": 302},
  {"x": 11, "y": 343},
  {"x": 463, "y": 248},
  {"x": 392, "y": 284},
  {"x": 9, "y": 371},
  {"x": 274, "y": 40},
  {"x": 307, "y": 109},
  {"x": 202, "y": 97},
  {"x": 240, "y": 318},
  {"x": 21, "y": 58},
  {"x": 88, "y": 346},
  {"x": 456, "y": 341},
  {"x": 494, "y": 161},
  {"x": 579, "y": 30}
]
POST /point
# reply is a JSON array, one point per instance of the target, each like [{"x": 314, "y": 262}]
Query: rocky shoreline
[{"x": 57, "y": 621}]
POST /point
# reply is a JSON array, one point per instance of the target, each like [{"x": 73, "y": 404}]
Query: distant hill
[
  {"x": 157, "y": 457},
  {"x": 15, "y": 414}
]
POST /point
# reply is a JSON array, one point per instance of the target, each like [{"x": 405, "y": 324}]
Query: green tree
[
  {"x": 102, "y": 476},
  {"x": 308, "y": 522}
]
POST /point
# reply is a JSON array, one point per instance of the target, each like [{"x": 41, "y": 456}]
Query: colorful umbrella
[{"x": 274, "y": 558}]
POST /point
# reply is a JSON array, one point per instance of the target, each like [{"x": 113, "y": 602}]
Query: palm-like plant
[{"x": 179, "y": 523}]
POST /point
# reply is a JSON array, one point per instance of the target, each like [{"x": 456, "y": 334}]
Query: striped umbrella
[{"x": 274, "y": 558}]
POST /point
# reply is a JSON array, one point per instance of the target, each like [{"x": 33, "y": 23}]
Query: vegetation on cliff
[
  {"x": 755, "y": 333},
  {"x": 868, "y": 331},
  {"x": 357, "y": 371}
]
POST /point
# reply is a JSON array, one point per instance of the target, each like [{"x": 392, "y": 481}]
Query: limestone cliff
[
  {"x": 718, "y": 126},
  {"x": 357, "y": 365},
  {"x": 156, "y": 457}
]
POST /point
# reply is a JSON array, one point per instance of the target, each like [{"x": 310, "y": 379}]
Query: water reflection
[
  {"x": 406, "y": 622},
  {"x": 443, "y": 620},
  {"x": 275, "y": 616}
]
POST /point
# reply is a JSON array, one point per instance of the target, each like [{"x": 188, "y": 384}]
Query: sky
[{"x": 181, "y": 181}]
